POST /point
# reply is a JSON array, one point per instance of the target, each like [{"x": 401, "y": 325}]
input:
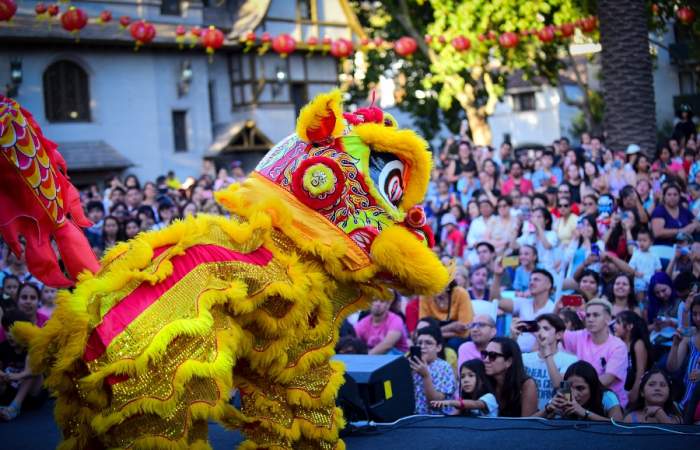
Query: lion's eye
[{"x": 387, "y": 172}]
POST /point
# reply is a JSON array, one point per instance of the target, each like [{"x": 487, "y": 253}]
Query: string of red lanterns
[{"x": 143, "y": 32}]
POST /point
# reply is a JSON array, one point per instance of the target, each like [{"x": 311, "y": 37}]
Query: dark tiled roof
[{"x": 92, "y": 155}]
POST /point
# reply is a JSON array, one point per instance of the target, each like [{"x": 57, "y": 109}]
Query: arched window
[{"x": 66, "y": 93}]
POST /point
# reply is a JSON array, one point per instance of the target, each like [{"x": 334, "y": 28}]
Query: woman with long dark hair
[
  {"x": 623, "y": 295},
  {"x": 112, "y": 232},
  {"x": 671, "y": 217},
  {"x": 588, "y": 399},
  {"x": 631, "y": 328},
  {"x": 655, "y": 403},
  {"x": 515, "y": 391},
  {"x": 586, "y": 245}
]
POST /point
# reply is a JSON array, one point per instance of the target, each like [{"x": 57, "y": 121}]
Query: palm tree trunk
[{"x": 627, "y": 79}]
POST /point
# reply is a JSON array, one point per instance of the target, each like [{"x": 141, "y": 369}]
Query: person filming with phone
[
  {"x": 581, "y": 396},
  {"x": 433, "y": 377},
  {"x": 528, "y": 308},
  {"x": 546, "y": 365}
]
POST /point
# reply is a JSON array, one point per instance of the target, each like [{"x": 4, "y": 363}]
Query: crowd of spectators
[{"x": 575, "y": 292}]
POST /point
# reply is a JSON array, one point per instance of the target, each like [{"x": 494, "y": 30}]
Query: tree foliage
[{"x": 472, "y": 81}]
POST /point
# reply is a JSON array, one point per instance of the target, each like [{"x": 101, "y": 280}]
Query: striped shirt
[{"x": 693, "y": 364}]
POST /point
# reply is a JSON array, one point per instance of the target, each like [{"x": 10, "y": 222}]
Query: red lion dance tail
[{"x": 37, "y": 202}]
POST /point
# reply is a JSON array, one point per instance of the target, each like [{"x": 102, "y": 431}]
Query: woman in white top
[
  {"x": 543, "y": 238},
  {"x": 504, "y": 225},
  {"x": 479, "y": 228},
  {"x": 584, "y": 244}
]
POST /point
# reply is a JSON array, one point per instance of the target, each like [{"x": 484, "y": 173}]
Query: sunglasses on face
[
  {"x": 491, "y": 356},
  {"x": 564, "y": 205}
]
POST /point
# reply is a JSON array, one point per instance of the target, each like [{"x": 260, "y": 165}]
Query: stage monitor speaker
[{"x": 384, "y": 384}]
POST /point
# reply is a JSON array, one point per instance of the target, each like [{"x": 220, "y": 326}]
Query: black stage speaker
[{"x": 382, "y": 382}]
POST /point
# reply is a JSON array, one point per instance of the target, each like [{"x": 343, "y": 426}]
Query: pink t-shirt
[
  {"x": 609, "y": 357},
  {"x": 466, "y": 352},
  {"x": 373, "y": 334}
]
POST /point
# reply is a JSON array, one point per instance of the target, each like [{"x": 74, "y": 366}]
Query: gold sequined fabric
[{"x": 284, "y": 316}]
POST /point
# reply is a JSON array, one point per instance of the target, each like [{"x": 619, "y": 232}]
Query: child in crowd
[
  {"x": 476, "y": 396},
  {"x": 433, "y": 377},
  {"x": 654, "y": 404},
  {"x": 48, "y": 300},
  {"x": 644, "y": 262},
  {"x": 18, "y": 386},
  {"x": 10, "y": 286}
]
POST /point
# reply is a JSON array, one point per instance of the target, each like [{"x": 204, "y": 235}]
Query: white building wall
[
  {"x": 132, "y": 96},
  {"x": 541, "y": 126},
  {"x": 666, "y": 83}
]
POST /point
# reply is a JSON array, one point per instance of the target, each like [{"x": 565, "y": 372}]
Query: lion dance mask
[{"x": 151, "y": 344}]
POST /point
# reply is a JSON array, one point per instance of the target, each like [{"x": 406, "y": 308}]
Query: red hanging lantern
[
  {"x": 428, "y": 39},
  {"x": 442, "y": 40},
  {"x": 74, "y": 20},
  {"x": 266, "y": 40},
  {"x": 180, "y": 33},
  {"x": 105, "y": 17},
  {"x": 326, "y": 45},
  {"x": 481, "y": 37},
  {"x": 365, "y": 43},
  {"x": 655, "y": 9},
  {"x": 341, "y": 48},
  {"x": 406, "y": 46},
  {"x": 686, "y": 15},
  {"x": 546, "y": 34},
  {"x": 491, "y": 35},
  {"x": 589, "y": 24},
  {"x": 461, "y": 43},
  {"x": 193, "y": 36},
  {"x": 53, "y": 10},
  {"x": 311, "y": 44},
  {"x": 42, "y": 12},
  {"x": 212, "y": 40},
  {"x": 8, "y": 8},
  {"x": 284, "y": 44},
  {"x": 142, "y": 32},
  {"x": 508, "y": 39},
  {"x": 124, "y": 22},
  {"x": 567, "y": 29}
]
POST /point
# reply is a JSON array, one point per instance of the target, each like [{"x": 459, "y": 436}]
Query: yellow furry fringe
[
  {"x": 57, "y": 349},
  {"x": 320, "y": 107},
  {"x": 415, "y": 264}
]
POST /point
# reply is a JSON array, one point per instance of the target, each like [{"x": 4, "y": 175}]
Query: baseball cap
[{"x": 632, "y": 149}]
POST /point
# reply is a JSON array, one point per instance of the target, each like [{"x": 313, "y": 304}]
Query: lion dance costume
[{"x": 151, "y": 343}]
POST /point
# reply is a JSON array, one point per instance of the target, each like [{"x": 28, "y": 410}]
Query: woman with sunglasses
[{"x": 515, "y": 391}]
